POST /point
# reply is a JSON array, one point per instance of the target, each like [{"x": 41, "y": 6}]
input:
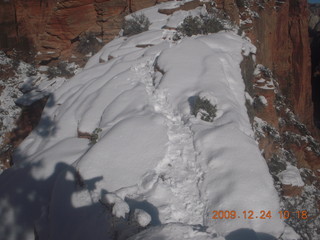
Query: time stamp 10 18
[{"x": 226, "y": 214}]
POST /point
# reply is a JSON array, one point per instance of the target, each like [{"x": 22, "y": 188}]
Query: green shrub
[
  {"x": 137, "y": 24},
  {"x": 190, "y": 26},
  {"x": 204, "y": 109},
  {"x": 196, "y": 25},
  {"x": 211, "y": 25}
]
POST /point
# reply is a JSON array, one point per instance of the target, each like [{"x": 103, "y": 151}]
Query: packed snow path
[
  {"x": 179, "y": 173},
  {"x": 122, "y": 133}
]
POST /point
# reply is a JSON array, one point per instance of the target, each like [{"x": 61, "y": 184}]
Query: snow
[
  {"x": 249, "y": 98},
  {"x": 291, "y": 176},
  {"x": 126, "y": 160},
  {"x": 24, "y": 88},
  {"x": 153, "y": 158},
  {"x": 175, "y": 231},
  {"x": 142, "y": 217},
  {"x": 177, "y": 17},
  {"x": 120, "y": 209},
  {"x": 4, "y": 60},
  {"x": 263, "y": 100}
]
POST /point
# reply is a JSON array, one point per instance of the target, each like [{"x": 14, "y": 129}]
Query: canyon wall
[
  {"x": 279, "y": 29},
  {"x": 52, "y": 28},
  {"x": 283, "y": 44}
]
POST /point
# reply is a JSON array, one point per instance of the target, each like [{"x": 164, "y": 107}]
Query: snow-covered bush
[
  {"x": 204, "y": 109},
  {"x": 136, "y": 24},
  {"x": 61, "y": 70},
  {"x": 89, "y": 43},
  {"x": 31, "y": 71}
]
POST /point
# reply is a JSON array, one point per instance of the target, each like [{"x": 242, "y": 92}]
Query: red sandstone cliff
[
  {"x": 53, "y": 27},
  {"x": 280, "y": 32}
]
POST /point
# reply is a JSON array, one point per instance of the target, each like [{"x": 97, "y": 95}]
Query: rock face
[
  {"x": 314, "y": 33},
  {"x": 284, "y": 48},
  {"x": 53, "y": 28},
  {"x": 280, "y": 32}
]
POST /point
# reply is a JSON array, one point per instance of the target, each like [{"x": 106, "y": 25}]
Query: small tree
[{"x": 137, "y": 24}]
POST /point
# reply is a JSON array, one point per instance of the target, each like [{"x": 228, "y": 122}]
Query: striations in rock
[{"x": 52, "y": 28}]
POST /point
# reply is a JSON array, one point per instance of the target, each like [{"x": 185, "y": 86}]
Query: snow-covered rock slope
[{"x": 121, "y": 134}]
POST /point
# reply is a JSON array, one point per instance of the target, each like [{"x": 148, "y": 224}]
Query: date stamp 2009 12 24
[{"x": 226, "y": 214}]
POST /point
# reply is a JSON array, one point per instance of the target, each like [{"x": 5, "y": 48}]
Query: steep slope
[{"x": 120, "y": 146}]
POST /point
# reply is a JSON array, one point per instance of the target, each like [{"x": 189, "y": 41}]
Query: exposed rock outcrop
[
  {"x": 279, "y": 29},
  {"x": 53, "y": 28}
]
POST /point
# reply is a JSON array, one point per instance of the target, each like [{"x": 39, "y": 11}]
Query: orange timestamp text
[{"x": 226, "y": 214}]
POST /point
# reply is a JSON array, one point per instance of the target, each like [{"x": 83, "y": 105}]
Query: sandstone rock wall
[
  {"x": 283, "y": 46},
  {"x": 280, "y": 32},
  {"x": 53, "y": 27}
]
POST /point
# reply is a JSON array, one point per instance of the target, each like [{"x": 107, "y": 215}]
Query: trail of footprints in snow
[{"x": 178, "y": 171}]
